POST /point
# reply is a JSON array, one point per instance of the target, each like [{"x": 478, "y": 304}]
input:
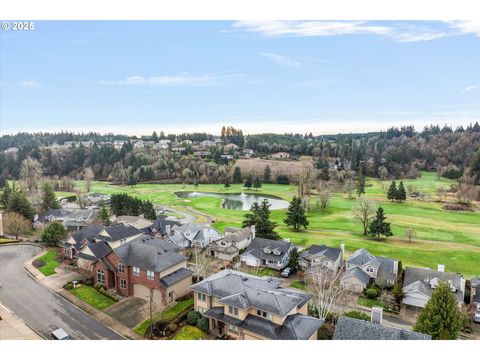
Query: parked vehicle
[
  {"x": 286, "y": 272},
  {"x": 59, "y": 334},
  {"x": 476, "y": 317}
]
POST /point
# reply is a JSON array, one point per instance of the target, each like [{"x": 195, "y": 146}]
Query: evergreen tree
[
  {"x": 104, "y": 214},
  {"x": 49, "y": 200},
  {"x": 132, "y": 181},
  {"x": 267, "y": 174},
  {"x": 53, "y": 233},
  {"x": 6, "y": 193},
  {"x": 148, "y": 210},
  {"x": 401, "y": 193},
  {"x": 237, "y": 175},
  {"x": 361, "y": 185},
  {"x": 248, "y": 182},
  {"x": 155, "y": 137},
  {"x": 19, "y": 203},
  {"x": 293, "y": 260},
  {"x": 378, "y": 227},
  {"x": 257, "y": 184},
  {"x": 296, "y": 215},
  {"x": 392, "y": 193},
  {"x": 259, "y": 216},
  {"x": 441, "y": 317},
  {"x": 226, "y": 184}
]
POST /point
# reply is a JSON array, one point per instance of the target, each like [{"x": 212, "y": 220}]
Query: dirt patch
[
  {"x": 278, "y": 167},
  {"x": 38, "y": 263}
]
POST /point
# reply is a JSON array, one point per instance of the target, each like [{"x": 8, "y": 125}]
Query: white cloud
[
  {"x": 282, "y": 60},
  {"x": 466, "y": 26},
  {"x": 183, "y": 79},
  {"x": 414, "y": 37},
  {"x": 470, "y": 88},
  {"x": 30, "y": 84}
]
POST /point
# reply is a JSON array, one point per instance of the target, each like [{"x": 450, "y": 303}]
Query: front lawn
[
  {"x": 49, "y": 261},
  {"x": 369, "y": 302},
  {"x": 189, "y": 332},
  {"x": 92, "y": 297},
  {"x": 8, "y": 241},
  {"x": 297, "y": 284},
  {"x": 165, "y": 316}
]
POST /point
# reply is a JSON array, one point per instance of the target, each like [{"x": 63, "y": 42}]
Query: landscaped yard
[
  {"x": 166, "y": 315},
  {"x": 8, "y": 241},
  {"x": 190, "y": 333},
  {"x": 92, "y": 297},
  {"x": 446, "y": 237},
  {"x": 369, "y": 302},
  {"x": 297, "y": 284},
  {"x": 49, "y": 263}
]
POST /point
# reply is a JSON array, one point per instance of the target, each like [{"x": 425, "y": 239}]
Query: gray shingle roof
[
  {"x": 120, "y": 231},
  {"x": 57, "y": 213},
  {"x": 362, "y": 257},
  {"x": 354, "y": 329},
  {"x": 295, "y": 327},
  {"x": 258, "y": 245},
  {"x": 322, "y": 250},
  {"x": 357, "y": 273},
  {"x": 175, "y": 277},
  {"x": 88, "y": 233},
  {"x": 476, "y": 284},
  {"x": 419, "y": 279},
  {"x": 150, "y": 253}
]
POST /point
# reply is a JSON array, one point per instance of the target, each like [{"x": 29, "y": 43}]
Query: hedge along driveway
[{"x": 92, "y": 297}]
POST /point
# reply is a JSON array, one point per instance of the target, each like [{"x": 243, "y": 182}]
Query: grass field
[
  {"x": 50, "y": 263},
  {"x": 446, "y": 237},
  {"x": 189, "y": 332},
  {"x": 92, "y": 297}
]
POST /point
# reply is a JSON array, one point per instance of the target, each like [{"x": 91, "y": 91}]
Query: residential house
[
  {"x": 281, "y": 155},
  {"x": 234, "y": 240},
  {"x": 135, "y": 221},
  {"x": 42, "y": 220},
  {"x": 363, "y": 268},
  {"x": 230, "y": 146},
  {"x": 202, "y": 154},
  {"x": 274, "y": 254},
  {"x": 206, "y": 144},
  {"x": 247, "y": 152},
  {"x": 145, "y": 267},
  {"x": 475, "y": 292},
  {"x": 227, "y": 157},
  {"x": 162, "y": 227},
  {"x": 74, "y": 243},
  {"x": 348, "y": 328},
  {"x": 78, "y": 219},
  {"x": 139, "y": 144},
  {"x": 321, "y": 257},
  {"x": 419, "y": 284},
  {"x": 189, "y": 235},
  {"x": 96, "y": 199},
  {"x": 244, "y": 306},
  {"x": 117, "y": 144}
]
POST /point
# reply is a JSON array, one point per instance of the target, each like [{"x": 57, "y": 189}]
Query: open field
[
  {"x": 446, "y": 237},
  {"x": 256, "y": 166}
]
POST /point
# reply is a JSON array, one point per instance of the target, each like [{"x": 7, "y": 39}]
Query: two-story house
[
  {"x": 322, "y": 257},
  {"x": 419, "y": 284},
  {"x": 147, "y": 267},
  {"x": 244, "y": 306},
  {"x": 74, "y": 243},
  {"x": 188, "y": 235},
  {"x": 475, "y": 292},
  {"x": 363, "y": 267},
  {"x": 234, "y": 240},
  {"x": 78, "y": 219},
  {"x": 42, "y": 220},
  {"x": 274, "y": 254}
]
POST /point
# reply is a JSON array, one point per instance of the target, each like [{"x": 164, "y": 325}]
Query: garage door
[{"x": 251, "y": 261}]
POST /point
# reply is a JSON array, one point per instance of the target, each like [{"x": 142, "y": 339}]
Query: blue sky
[{"x": 307, "y": 76}]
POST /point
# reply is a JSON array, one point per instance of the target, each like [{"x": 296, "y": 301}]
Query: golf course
[{"x": 444, "y": 237}]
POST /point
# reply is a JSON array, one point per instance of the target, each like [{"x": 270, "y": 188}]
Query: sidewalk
[
  {"x": 13, "y": 328},
  {"x": 56, "y": 282}
]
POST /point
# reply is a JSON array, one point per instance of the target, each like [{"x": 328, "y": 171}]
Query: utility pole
[{"x": 151, "y": 314}]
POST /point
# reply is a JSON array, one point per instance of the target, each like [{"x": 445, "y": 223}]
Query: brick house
[{"x": 144, "y": 267}]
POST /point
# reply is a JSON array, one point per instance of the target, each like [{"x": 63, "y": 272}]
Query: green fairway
[{"x": 446, "y": 237}]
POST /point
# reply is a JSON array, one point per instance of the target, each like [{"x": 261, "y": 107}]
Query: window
[
  {"x": 233, "y": 328},
  {"x": 136, "y": 271},
  {"x": 201, "y": 310},
  {"x": 150, "y": 275},
  {"x": 170, "y": 296},
  {"x": 202, "y": 297},
  {"x": 264, "y": 314},
  {"x": 123, "y": 241},
  {"x": 123, "y": 284},
  {"x": 101, "y": 277},
  {"x": 369, "y": 269},
  {"x": 121, "y": 267},
  {"x": 232, "y": 310}
]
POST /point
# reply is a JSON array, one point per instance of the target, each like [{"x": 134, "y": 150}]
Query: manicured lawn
[
  {"x": 92, "y": 297},
  {"x": 447, "y": 237},
  {"x": 190, "y": 333},
  {"x": 167, "y": 315},
  {"x": 50, "y": 263},
  {"x": 8, "y": 241},
  {"x": 297, "y": 284},
  {"x": 369, "y": 302}
]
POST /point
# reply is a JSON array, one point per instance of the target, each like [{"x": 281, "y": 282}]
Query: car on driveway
[
  {"x": 286, "y": 272},
  {"x": 59, "y": 334},
  {"x": 476, "y": 317}
]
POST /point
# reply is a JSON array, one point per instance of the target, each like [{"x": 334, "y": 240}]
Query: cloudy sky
[{"x": 306, "y": 76}]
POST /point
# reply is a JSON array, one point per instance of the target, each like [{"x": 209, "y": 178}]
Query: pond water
[{"x": 236, "y": 201}]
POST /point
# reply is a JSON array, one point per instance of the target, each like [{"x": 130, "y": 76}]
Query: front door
[{"x": 221, "y": 327}]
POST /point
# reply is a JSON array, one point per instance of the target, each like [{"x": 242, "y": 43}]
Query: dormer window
[
  {"x": 369, "y": 269},
  {"x": 276, "y": 252},
  {"x": 233, "y": 311},
  {"x": 266, "y": 251}
]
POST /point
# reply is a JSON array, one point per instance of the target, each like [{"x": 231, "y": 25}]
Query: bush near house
[{"x": 357, "y": 315}]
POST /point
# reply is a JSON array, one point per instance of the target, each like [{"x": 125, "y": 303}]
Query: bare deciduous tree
[
  {"x": 466, "y": 193},
  {"x": 201, "y": 262},
  {"x": 31, "y": 173},
  {"x": 16, "y": 224},
  {"x": 349, "y": 188},
  {"x": 324, "y": 193},
  {"x": 410, "y": 234},
  {"x": 441, "y": 192},
  {"x": 88, "y": 176},
  {"x": 364, "y": 213}
]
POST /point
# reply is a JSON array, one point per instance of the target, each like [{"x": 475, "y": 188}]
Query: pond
[{"x": 236, "y": 201}]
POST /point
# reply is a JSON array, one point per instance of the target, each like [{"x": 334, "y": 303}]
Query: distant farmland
[{"x": 278, "y": 167}]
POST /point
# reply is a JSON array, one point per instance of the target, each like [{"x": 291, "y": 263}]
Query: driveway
[
  {"x": 39, "y": 307},
  {"x": 130, "y": 311}
]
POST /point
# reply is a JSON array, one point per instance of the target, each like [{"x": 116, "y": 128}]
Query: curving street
[{"x": 39, "y": 307}]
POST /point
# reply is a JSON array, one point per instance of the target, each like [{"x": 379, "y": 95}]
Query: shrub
[
  {"x": 69, "y": 286},
  {"x": 193, "y": 317},
  {"x": 202, "y": 324},
  {"x": 357, "y": 315},
  {"x": 372, "y": 293},
  {"x": 88, "y": 282}
]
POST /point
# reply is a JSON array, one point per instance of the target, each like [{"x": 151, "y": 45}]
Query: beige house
[
  {"x": 281, "y": 155},
  {"x": 235, "y": 239},
  {"x": 247, "y": 307}
]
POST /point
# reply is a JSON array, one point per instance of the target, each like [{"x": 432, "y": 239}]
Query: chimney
[
  {"x": 395, "y": 267},
  {"x": 441, "y": 268},
  {"x": 377, "y": 315},
  {"x": 462, "y": 286},
  {"x": 167, "y": 230},
  {"x": 342, "y": 248}
]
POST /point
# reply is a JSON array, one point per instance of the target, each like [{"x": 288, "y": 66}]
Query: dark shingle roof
[
  {"x": 317, "y": 250},
  {"x": 120, "y": 231},
  {"x": 175, "y": 277},
  {"x": 358, "y": 274},
  {"x": 476, "y": 286},
  {"x": 354, "y": 329},
  {"x": 258, "y": 245},
  {"x": 150, "y": 253},
  {"x": 57, "y": 213}
]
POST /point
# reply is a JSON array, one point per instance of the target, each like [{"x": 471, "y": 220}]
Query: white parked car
[{"x": 476, "y": 317}]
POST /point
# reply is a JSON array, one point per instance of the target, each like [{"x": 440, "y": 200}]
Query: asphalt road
[{"x": 39, "y": 307}]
